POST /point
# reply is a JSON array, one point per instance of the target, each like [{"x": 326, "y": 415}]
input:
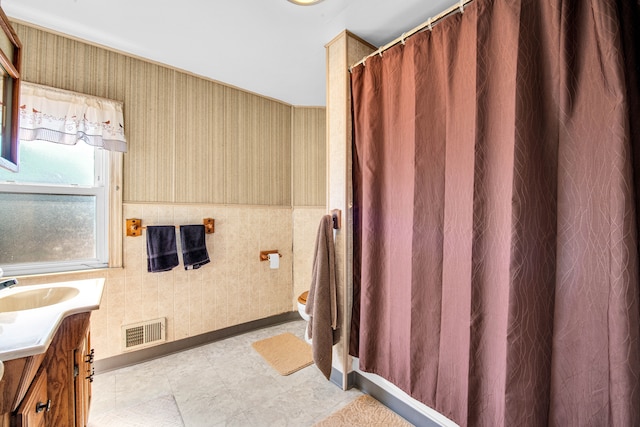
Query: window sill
[{"x": 87, "y": 272}]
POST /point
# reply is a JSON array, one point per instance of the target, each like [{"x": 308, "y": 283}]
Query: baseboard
[
  {"x": 355, "y": 379},
  {"x": 396, "y": 405},
  {"x": 143, "y": 355},
  {"x": 336, "y": 378}
]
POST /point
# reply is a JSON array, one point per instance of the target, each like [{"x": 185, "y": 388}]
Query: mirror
[{"x": 10, "y": 55}]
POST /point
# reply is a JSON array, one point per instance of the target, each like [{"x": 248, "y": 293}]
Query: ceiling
[{"x": 270, "y": 47}]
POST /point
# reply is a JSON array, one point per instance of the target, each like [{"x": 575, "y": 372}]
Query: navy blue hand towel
[
  {"x": 194, "y": 248},
  {"x": 162, "y": 252}
]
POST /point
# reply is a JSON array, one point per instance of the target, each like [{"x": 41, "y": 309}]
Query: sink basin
[
  {"x": 31, "y": 314},
  {"x": 36, "y": 298}
]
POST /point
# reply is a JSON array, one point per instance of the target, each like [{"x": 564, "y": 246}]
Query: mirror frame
[{"x": 9, "y": 154}]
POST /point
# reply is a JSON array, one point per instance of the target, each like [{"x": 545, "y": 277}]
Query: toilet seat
[{"x": 302, "y": 299}]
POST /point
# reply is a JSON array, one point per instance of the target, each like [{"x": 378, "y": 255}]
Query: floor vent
[{"x": 143, "y": 334}]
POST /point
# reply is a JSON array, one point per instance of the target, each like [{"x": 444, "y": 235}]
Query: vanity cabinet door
[
  {"x": 34, "y": 406},
  {"x": 63, "y": 371},
  {"x": 83, "y": 380}
]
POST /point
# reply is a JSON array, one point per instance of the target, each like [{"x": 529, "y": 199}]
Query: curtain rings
[
  {"x": 461, "y": 6},
  {"x": 402, "y": 38},
  {"x": 429, "y": 24}
]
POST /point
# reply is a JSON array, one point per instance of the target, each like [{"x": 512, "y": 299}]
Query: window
[
  {"x": 10, "y": 57},
  {"x": 54, "y": 211}
]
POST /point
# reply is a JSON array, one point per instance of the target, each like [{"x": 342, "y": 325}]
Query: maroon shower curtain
[{"x": 496, "y": 182}]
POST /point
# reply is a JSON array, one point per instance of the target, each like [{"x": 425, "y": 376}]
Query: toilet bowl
[{"x": 302, "y": 303}]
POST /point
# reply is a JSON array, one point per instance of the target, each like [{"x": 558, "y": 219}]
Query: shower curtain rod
[{"x": 428, "y": 24}]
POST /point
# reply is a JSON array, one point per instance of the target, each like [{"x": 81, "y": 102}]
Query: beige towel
[{"x": 321, "y": 302}]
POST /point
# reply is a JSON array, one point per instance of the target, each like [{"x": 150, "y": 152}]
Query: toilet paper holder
[{"x": 264, "y": 255}]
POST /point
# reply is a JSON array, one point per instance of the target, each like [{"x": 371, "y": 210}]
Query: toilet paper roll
[{"x": 274, "y": 261}]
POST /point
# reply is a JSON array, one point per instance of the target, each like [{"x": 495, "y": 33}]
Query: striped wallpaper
[{"x": 191, "y": 139}]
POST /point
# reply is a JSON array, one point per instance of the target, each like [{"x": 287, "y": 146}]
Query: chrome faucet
[{"x": 8, "y": 283}]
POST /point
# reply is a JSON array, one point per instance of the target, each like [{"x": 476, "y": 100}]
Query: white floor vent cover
[{"x": 143, "y": 334}]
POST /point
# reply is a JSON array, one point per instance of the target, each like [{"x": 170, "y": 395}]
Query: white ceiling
[{"x": 270, "y": 47}]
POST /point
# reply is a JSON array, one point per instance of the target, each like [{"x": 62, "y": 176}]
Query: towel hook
[{"x": 336, "y": 217}]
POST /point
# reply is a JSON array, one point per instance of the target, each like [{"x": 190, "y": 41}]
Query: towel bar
[{"x": 134, "y": 226}]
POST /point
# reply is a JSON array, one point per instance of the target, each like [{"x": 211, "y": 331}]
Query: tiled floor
[{"x": 226, "y": 383}]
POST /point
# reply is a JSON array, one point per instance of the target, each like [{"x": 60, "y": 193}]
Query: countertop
[{"x": 29, "y": 332}]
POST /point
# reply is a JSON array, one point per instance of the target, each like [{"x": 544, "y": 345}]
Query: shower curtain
[{"x": 496, "y": 178}]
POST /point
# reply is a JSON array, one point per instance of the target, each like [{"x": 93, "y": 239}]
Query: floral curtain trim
[{"x": 65, "y": 117}]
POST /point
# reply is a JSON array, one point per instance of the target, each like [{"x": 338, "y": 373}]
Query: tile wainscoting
[{"x": 234, "y": 288}]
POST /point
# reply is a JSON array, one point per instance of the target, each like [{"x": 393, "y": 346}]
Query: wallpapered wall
[{"x": 197, "y": 148}]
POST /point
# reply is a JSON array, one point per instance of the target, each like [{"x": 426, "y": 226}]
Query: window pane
[
  {"x": 50, "y": 163},
  {"x": 43, "y": 228}
]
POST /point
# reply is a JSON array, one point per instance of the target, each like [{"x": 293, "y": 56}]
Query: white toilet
[{"x": 302, "y": 303}]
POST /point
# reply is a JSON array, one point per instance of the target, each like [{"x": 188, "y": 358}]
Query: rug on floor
[
  {"x": 160, "y": 412},
  {"x": 286, "y": 353},
  {"x": 365, "y": 411}
]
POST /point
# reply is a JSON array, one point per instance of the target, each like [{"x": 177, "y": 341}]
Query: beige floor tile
[{"x": 225, "y": 383}]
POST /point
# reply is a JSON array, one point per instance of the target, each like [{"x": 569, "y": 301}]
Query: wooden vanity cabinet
[{"x": 61, "y": 389}]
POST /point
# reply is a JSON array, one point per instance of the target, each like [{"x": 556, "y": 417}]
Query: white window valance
[{"x": 66, "y": 117}]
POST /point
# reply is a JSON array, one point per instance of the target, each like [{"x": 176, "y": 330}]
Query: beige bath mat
[
  {"x": 286, "y": 353},
  {"x": 364, "y": 411}
]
